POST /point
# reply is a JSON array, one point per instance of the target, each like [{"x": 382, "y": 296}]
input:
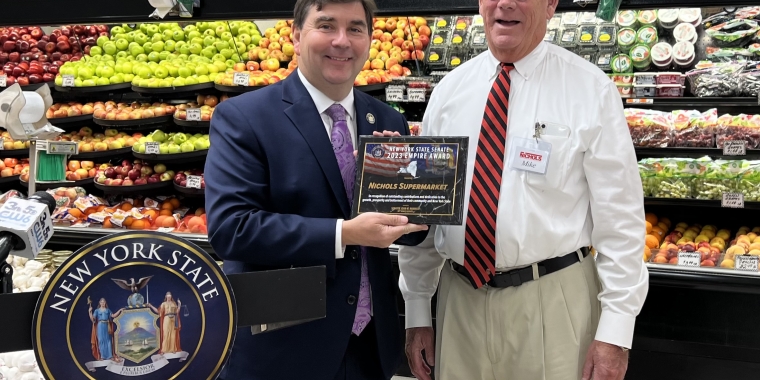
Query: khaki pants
[{"x": 540, "y": 330}]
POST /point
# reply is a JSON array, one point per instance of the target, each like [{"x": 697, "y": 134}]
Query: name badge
[{"x": 529, "y": 155}]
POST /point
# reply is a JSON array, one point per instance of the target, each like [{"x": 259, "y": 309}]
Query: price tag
[
  {"x": 165, "y": 229},
  {"x": 152, "y": 148},
  {"x": 2, "y": 143},
  {"x": 639, "y": 101},
  {"x": 193, "y": 114},
  {"x": 68, "y": 80},
  {"x": 734, "y": 148},
  {"x": 733, "y": 200},
  {"x": 194, "y": 181},
  {"x": 747, "y": 263},
  {"x": 416, "y": 95},
  {"x": 394, "y": 94},
  {"x": 240, "y": 79},
  {"x": 689, "y": 259},
  {"x": 3, "y": 80},
  {"x": 62, "y": 147}
]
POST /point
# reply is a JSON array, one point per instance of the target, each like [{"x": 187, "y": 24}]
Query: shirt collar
[
  {"x": 525, "y": 66},
  {"x": 323, "y": 102}
]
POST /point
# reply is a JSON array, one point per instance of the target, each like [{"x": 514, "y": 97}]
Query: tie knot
[
  {"x": 507, "y": 66},
  {"x": 336, "y": 112}
]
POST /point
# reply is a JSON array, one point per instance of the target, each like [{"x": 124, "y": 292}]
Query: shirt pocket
[{"x": 558, "y": 135}]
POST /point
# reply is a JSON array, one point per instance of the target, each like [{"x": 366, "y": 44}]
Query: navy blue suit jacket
[{"x": 273, "y": 194}]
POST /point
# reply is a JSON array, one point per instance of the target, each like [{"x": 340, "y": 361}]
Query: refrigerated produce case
[{"x": 697, "y": 323}]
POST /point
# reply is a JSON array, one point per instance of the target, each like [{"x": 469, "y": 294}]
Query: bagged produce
[
  {"x": 735, "y": 32},
  {"x": 738, "y": 128},
  {"x": 749, "y": 180},
  {"x": 721, "y": 176},
  {"x": 674, "y": 177},
  {"x": 694, "y": 128},
  {"x": 648, "y": 180},
  {"x": 716, "y": 79},
  {"x": 649, "y": 128}
]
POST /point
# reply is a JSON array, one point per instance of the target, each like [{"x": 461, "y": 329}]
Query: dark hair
[{"x": 303, "y": 6}]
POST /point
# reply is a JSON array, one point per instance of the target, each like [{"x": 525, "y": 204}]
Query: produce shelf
[
  {"x": 53, "y": 185},
  {"x": 93, "y": 89},
  {"x": 15, "y": 153},
  {"x": 179, "y": 91},
  {"x": 76, "y": 237},
  {"x": 752, "y": 154},
  {"x": 101, "y": 154},
  {"x": 133, "y": 122},
  {"x": 135, "y": 189},
  {"x": 190, "y": 192},
  {"x": 192, "y": 124},
  {"x": 694, "y": 203},
  {"x": 9, "y": 180},
  {"x": 372, "y": 87},
  {"x": 691, "y": 102},
  {"x": 237, "y": 89},
  {"x": 67, "y": 120}
]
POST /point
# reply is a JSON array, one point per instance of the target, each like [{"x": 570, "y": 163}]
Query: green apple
[
  {"x": 163, "y": 149},
  {"x": 153, "y": 56},
  {"x": 190, "y": 28},
  {"x": 140, "y": 148},
  {"x": 230, "y": 63},
  {"x": 117, "y": 30},
  {"x": 158, "y": 46},
  {"x": 204, "y": 79},
  {"x": 218, "y": 57},
  {"x": 167, "y": 35},
  {"x": 107, "y": 58},
  {"x": 251, "y": 47},
  {"x": 170, "y": 46},
  {"x": 179, "y": 138},
  {"x": 166, "y": 82},
  {"x": 134, "y": 51},
  {"x": 142, "y": 58},
  {"x": 102, "y": 40},
  {"x": 107, "y": 72},
  {"x": 115, "y": 37},
  {"x": 102, "y": 82},
  {"x": 122, "y": 55},
  {"x": 221, "y": 44},
  {"x": 109, "y": 48},
  {"x": 226, "y": 36},
  {"x": 202, "y": 26},
  {"x": 220, "y": 30},
  {"x": 255, "y": 39},
  {"x": 95, "y": 51},
  {"x": 227, "y": 53},
  {"x": 187, "y": 147},
  {"x": 148, "y": 46},
  {"x": 173, "y": 71},
  {"x": 234, "y": 26},
  {"x": 133, "y": 45},
  {"x": 161, "y": 72},
  {"x": 179, "y": 35},
  {"x": 184, "y": 72},
  {"x": 209, "y": 41},
  {"x": 208, "y": 52},
  {"x": 243, "y": 30},
  {"x": 178, "y": 82},
  {"x": 85, "y": 73},
  {"x": 201, "y": 70},
  {"x": 244, "y": 38},
  {"x": 173, "y": 148},
  {"x": 78, "y": 82},
  {"x": 235, "y": 57},
  {"x": 209, "y": 32},
  {"x": 119, "y": 78},
  {"x": 184, "y": 49},
  {"x": 126, "y": 27},
  {"x": 143, "y": 82},
  {"x": 144, "y": 72},
  {"x": 87, "y": 83},
  {"x": 129, "y": 77},
  {"x": 192, "y": 34},
  {"x": 221, "y": 65},
  {"x": 152, "y": 29},
  {"x": 144, "y": 28},
  {"x": 189, "y": 81},
  {"x": 164, "y": 26},
  {"x": 59, "y": 80},
  {"x": 200, "y": 144},
  {"x": 158, "y": 136},
  {"x": 131, "y": 36},
  {"x": 195, "y": 48},
  {"x": 141, "y": 38},
  {"x": 212, "y": 69}
]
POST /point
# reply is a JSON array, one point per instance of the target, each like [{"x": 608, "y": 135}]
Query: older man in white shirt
[{"x": 551, "y": 170}]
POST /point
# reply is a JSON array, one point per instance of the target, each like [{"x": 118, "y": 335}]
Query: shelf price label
[
  {"x": 394, "y": 94},
  {"x": 193, "y": 114},
  {"x": 639, "y": 101},
  {"x": 735, "y": 148},
  {"x": 416, "y": 95},
  {"x": 747, "y": 263},
  {"x": 194, "y": 181},
  {"x": 68, "y": 80},
  {"x": 152, "y": 148},
  {"x": 689, "y": 259},
  {"x": 2, "y": 143},
  {"x": 3, "y": 80},
  {"x": 240, "y": 79},
  {"x": 732, "y": 200},
  {"x": 62, "y": 147}
]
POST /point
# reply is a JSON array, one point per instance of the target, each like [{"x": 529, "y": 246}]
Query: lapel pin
[{"x": 371, "y": 118}]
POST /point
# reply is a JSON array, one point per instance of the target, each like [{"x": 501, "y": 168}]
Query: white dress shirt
[
  {"x": 590, "y": 195},
  {"x": 323, "y": 102}
]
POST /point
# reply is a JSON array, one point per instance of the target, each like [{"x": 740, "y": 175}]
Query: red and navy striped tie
[{"x": 480, "y": 228}]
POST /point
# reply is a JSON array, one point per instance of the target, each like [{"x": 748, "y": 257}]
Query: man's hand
[
  {"x": 605, "y": 361},
  {"x": 417, "y": 340},
  {"x": 378, "y": 230},
  {"x": 385, "y": 134}
]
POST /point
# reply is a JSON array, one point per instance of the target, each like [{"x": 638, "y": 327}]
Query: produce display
[
  {"x": 270, "y": 73},
  {"x": 30, "y": 56},
  {"x": 746, "y": 242},
  {"x": 111, "y": 110},
  {"x": 79, "y": 170},
  {"x": 174, "y": 142},
  {"x": 707, "y": 240},
  {"x": 275, "y": 44},
  {"x": 180, "y": 179},
  {"x": 671, "y": 177},
  {"x": 10, "y": 144},
  {"x": 70, "y": 109},
  {"x": 110, "y": 139},
  {"x": 132, "y": 173},
  {"x": 206, "y": 104},
  {"x": 395, "y": 40},
  {"x": 10, "y": 167}
]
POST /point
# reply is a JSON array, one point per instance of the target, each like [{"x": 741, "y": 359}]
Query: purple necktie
[{"x": 344, "y": 153}]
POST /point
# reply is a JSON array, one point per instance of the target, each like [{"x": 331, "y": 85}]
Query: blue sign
[{"x": 138, "y": 304}]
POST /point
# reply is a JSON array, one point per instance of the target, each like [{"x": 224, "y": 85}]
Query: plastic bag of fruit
[
  {"x": 674, "y": 177},
  {"x": 649, "y": 128},
  {"x": 738, "y": 128},
  {"x": 721, "y": 176},
  {"x": 749, "y": 180},
  {"x": 694, "y": 128},
  {"x": 715, "y": 79},
  {"x": 649, "y": 181}
]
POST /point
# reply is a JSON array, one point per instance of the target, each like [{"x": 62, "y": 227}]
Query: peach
[
  {"x": 755, "y": 252},
  {"x": 701, "y": 238},
  {"x": 727, "y": 263},
  {"x": 673, "y": 260},
  {"x": 707, "y": 263}
]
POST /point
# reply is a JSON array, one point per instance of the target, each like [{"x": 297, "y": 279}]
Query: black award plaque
[{"x": 419, "y": 177}]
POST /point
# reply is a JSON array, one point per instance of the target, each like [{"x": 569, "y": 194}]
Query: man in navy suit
[{"x": 279, "y": 180}]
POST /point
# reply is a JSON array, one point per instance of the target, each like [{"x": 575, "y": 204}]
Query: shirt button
[
  {"x": 351, "y": 299},
  {"x": 354, "y": 254}
]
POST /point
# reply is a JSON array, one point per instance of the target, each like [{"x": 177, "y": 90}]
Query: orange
[
  {"x": 107, "y": 223},
  {"x": 75, "y": 212},
  {"x": 658, "y": 232},
  {"x": 101, "y": 208},
  {"x": 651, "y": 218},
  {"x": 128, "y": 221},
  {"x": 666, "y": 221},
  {"x": 647, "y": 253},
  {"x": 652, "y": 242},
  {"x": 126, "y": 206},
  {"x": 174, "y": 202},
  {"x": 649, "y": 227},
  {"x": 165, "y": 212},
  {"x": 138, "y": 224},
  {"x": 167, "y": 206},
  {"x": 168, "y": 222},
  {"x": 152, "y": 214}
]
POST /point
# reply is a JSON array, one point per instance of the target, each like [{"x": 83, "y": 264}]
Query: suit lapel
[
  {"x": 364, "y": 113},
  {"x": 303, "y": 113}
]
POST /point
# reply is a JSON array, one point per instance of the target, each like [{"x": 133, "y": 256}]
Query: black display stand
[{"x": 286, "y": 295}]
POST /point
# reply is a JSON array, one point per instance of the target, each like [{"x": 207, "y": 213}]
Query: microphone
[{"x": 26, "y": 225}]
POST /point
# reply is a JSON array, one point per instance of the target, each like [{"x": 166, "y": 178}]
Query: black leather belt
[{"x": 517, "y": 277}]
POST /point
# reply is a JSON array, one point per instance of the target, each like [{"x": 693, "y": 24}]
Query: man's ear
[{"x": 296, "y": 40}]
